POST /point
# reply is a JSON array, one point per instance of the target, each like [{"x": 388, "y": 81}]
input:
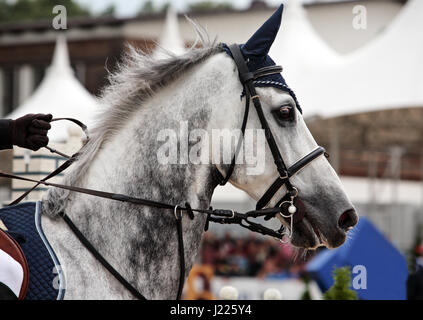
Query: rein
[
  {"x": 217, "y": 216},
  {"x": 286, "y": 206}
]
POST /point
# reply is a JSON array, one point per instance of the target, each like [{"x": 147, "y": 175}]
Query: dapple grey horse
[{"x": 145, "y": 97}]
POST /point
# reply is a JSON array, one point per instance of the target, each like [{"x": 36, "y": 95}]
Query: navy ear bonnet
[{"x": 255, "y": 52}]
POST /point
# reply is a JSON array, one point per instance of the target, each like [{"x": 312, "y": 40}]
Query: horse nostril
[{"x": 348, "y": 220}]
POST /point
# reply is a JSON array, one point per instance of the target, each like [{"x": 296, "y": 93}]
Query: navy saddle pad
[{"x": 46, "y": 279}]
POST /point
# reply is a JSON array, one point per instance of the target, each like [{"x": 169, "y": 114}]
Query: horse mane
[{"x": 136, "y": 79}]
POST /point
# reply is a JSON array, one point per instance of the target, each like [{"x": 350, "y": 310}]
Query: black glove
[{"x": 30, "y": 131}]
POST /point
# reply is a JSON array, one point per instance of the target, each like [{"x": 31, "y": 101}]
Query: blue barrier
[{"x": 384, "y": 266}]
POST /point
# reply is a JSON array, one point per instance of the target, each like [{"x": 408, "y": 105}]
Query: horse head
[{"x": 323, "y": 212}]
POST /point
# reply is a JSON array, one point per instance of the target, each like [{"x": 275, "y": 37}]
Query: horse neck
[
  {"x": 128, "y": 164},
  {"x": 200, "y": 99}
]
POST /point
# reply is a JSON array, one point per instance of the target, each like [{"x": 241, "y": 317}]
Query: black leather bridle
[
  {"x": 286, "y": 206},
  {"x": 247, "y": 79}
]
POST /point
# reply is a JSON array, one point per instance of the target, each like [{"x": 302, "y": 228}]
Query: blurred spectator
[
  {"x": 249, "y": 256},
  {"x": 415, "y": 280}
]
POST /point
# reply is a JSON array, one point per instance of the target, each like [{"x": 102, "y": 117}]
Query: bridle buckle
[
  {"x": 285, "y": 176},
  {"x": 175, "y": 212}
]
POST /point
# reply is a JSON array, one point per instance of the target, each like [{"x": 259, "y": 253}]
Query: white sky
[{"x": 127, "y": 8}]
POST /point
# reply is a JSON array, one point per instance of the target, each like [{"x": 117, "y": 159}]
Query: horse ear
[{"x": 261, "y": 41}]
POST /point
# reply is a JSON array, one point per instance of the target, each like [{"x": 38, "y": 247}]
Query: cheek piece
[{"x": 291, "y": 209}]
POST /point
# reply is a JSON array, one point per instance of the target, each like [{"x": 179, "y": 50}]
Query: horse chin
[{"x": 307, "y": 236}]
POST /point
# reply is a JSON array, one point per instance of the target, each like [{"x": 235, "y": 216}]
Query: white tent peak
[
  {"x": 384, "y": 74},
  {"x": 294, "y": 9},
  {"x": 60, "y": 62},
  {"x": 170, "y": 39},
  {"x": 304, "y": 55},
  {"x": 298, "y": 41},
  {"x": 61, "y": 94}
]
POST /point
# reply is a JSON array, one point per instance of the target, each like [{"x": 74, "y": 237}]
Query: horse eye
[{"x": 285, "y": 112}]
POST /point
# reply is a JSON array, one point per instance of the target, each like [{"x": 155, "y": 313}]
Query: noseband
[{"x": 285, "y": 173}]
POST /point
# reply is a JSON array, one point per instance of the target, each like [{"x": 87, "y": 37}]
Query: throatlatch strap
[
  {"x": 241, "y": 138},
  {"x": 247, "y": 81},
  {"x": 243, "y": 69}
]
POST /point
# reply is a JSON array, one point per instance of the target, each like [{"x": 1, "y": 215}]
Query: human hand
[{"x": 30, "y": 131}]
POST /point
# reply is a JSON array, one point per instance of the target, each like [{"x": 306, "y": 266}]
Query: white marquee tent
[
  {"x": 170, "y": 39},
  {"x": 298, "y": 47},
  {"x": 60, "y": 94},
  {"x": 384, "y": 74}
]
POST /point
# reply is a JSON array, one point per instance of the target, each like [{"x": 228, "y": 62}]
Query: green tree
[
  {"x": 209, "y": 6},
  {"x": 306, "y": 294},
  {"x": 4, "y": 10},
  {"x": 341, "y": 288},
  {"x": 109, "y": 11},
  {"x": 165, "y": 7},
  {"x": 29, "y": 10},
  {"x": 148, "y": 7}
]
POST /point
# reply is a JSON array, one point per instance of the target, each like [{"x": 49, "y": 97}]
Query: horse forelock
[{"x": 137, "y": 78}]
